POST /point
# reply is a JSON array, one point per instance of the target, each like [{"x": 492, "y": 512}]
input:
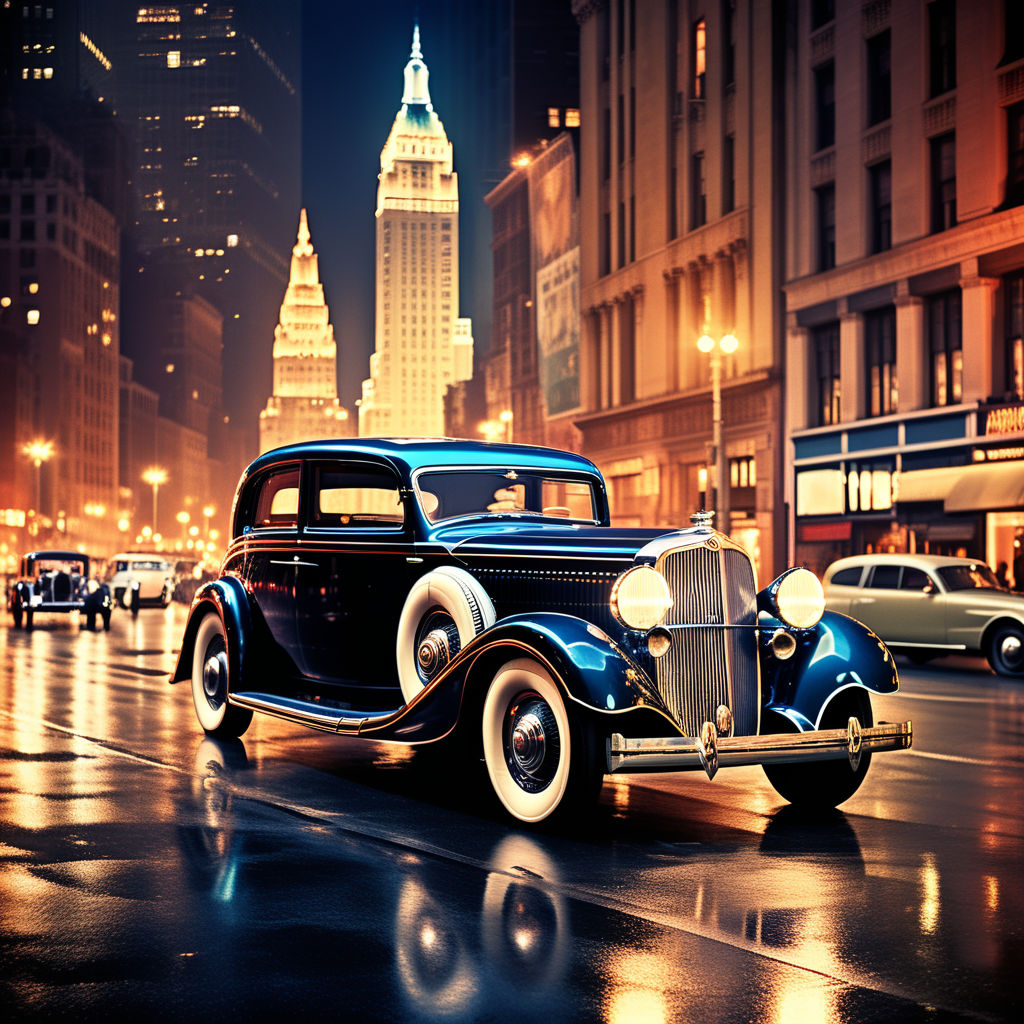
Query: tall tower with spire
[
  {"x": 304, "y": 405},
  {"x": 421, "y": 345}
]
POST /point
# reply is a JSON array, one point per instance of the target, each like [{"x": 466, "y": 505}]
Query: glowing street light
[
  {"x": 39, "y": 452},
  {"x": 155, "y": 476},
  {"x": 727, "y": 344},
  {"x": 506, "y": 418}
]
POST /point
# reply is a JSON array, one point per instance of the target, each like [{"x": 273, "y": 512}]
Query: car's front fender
[
  {"x": 838, "y": 653},
  {"x": 227, "y": 598}
]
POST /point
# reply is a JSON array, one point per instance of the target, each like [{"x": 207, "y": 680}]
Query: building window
[
  {"x": 880, "y": 77},
  {"x": 1015, "y": 337},
  {"x": 606, "y": 143},
  {"x": 880, "y": 354},
  {"x": 554, "y": 117},
  {"x": 698, "y": 195},
  {"x": 822, "y": 12},
  {"x": 728, "y": 174},
  {"x": 942, "y": 46},
  {"x": 729, "y": 33},
  {"x": 825, "y": 105},
  {"x": 1013, "y": 31},
  {"x": 825, "y": 348},
  {"x": 700, "y": 58},
  {"x": 572, "y": 117},
  {"x": 880, "y": 188},
  {"x": 943, "y": 182},
  {"x": 944, "y": 337},
  {"x": 1015, "y": 155},
  {"x": 825, "y": 202}
]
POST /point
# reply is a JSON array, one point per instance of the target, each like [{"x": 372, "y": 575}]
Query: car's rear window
[
  {"x": 451, "y": 493},
  {"x": 278, "y": 501}
]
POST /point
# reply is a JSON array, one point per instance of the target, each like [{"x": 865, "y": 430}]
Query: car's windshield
[
  {"x": 976, "y": 576},
  {"x": 137, "y": 566},
  {"x": 445, "y": 494}
]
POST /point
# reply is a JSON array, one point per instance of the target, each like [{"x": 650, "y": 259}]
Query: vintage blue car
[{"x": 414, "y": 590}]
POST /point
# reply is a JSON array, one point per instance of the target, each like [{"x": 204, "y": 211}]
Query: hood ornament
[{"x": 702, "y": 519}]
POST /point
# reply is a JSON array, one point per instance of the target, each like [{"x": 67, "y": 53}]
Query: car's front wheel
[
  {"x": 1006, "y": 650},
  {"x": 17, "y": 611},
  {"x": 538, "y": 759},
  {"x": 822, "y": 785},
  {"x": 210, "y": 682}
]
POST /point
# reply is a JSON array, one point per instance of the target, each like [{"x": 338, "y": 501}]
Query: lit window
[
  {"x": 554, "y": 117},
  {"x": 572, "y": 117},
  {"x": 32, "y": 316},
  {"x": 47, "y": 72},
  {"x": 700, "y": 57},
  {"x": 174, "y": 58},
  {"x": 169, "y": 368}
]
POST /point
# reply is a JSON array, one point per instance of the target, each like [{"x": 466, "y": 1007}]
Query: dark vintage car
[
  {"x": 410, "y": 591},
  {"x": 58, "y": 581}
]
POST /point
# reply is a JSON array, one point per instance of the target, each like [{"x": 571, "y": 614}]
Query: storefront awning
[
  {"x": 929, "y": 484},
  {"x": 987, "y": 488}
]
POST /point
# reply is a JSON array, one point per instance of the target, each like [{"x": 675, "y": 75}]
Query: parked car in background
[
  {"x": 929, "y": 605},
  {"x": 142, "y": 578},
  {"x": 58, "y": 581},
  {"x": 410, "y": 591}
]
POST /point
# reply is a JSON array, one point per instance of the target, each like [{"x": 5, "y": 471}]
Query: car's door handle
[{"x": 295, "y": 561}]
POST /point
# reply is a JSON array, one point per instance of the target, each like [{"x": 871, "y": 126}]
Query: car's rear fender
[
  {"x": 835, "y": 655},
  {"x": 226, "y": 598}
]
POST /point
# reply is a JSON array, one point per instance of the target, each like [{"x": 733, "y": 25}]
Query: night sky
[{"x": 354, "y": 54}]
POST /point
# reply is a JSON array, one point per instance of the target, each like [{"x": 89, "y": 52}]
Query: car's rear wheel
[
  {"x": 539, "y": 760},
  {"x": 210, "y": 682},
  {"x": 1006, "y": 650},
  {"x": 822, "y": 785}
]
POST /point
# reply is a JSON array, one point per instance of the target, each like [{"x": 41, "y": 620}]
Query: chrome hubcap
[
  {"x": 215, "y": 670},
  {"x": 528, "y": 742},
  {"x": 1011, "y": 648}
]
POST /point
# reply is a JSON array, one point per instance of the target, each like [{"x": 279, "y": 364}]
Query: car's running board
[{"x": 306, "y": 712}]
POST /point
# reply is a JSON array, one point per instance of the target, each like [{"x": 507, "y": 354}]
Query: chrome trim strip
[
  {"x": 302, "y": 712},
  {"x": 671, "y": 752}
]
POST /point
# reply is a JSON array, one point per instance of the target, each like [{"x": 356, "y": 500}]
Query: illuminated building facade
[
  {"x": 304, "y": 405},
  {"x": 422, "y": 345},
  {"x": 212, "y": 97},
  {"x": 59, "y": 259},
  {"x": 682, "y": 185},
  {"x": 905, "y": 281}
]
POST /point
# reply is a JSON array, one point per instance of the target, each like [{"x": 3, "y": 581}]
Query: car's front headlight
[
  {"x": 92, "y": 586},
  {"x": 799, "y": 598},
  {"x": 640, "y": 597}
]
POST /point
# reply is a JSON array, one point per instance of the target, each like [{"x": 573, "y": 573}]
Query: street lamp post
[
  {"x": 39, "y": 452},
  {"x": 727, "y": 344},
  {"x": 155, "y": 476}
]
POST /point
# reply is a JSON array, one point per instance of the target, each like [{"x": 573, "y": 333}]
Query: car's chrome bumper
[{"x": 711, "y": 751}]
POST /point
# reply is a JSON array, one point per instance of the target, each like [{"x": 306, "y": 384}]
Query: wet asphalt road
[{"x": 147, "y": 872}]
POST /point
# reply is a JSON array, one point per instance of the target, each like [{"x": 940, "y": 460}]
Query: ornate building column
[
  {"x": 604, "y": 313},
  {"x": 976, "y": 331},
  {"x": 801, "y": 377},
  {"x": 852, "y": 401},
  {"x": 912, "y": 363}
]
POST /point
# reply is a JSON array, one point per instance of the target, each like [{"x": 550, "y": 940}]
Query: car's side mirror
[{"x": 928, "y": 588}]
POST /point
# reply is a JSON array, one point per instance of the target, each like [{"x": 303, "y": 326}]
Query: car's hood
[{"x": 530, "y": 539}]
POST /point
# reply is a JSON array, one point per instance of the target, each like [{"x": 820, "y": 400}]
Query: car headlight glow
[
  {"x": 800, "y": 599},
  {"x": 92, "y": 586},
  {"x": 640, "y": 597}
]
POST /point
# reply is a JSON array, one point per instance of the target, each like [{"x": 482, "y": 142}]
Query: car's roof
[
  {"x": 58, "y": 556},
  {"x": 920, "y": 561},
  {"x": 415, "y": 453}
]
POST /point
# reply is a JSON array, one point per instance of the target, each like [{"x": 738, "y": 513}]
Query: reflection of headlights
[
  {"x": 437, "y": 973},
  {"x": 92, "y": 586},
  {"x": 640, "y": 597},
  {"x": 799, "y": 598}
]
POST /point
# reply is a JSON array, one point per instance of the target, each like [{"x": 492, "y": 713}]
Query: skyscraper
[
  {"x": 211, "y": 95},
  {"x": 304, "y": 405},
  {"x": 422, "y": 345}
]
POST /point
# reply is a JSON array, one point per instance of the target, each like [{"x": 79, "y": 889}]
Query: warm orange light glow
[
  {"x": 155, "y": 476},
  {"x": 39, "y": 451}
]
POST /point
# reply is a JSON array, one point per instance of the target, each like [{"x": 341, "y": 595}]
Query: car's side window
[
  {"x": 847, "y": 577},
  {"x": 359, "y": 495},
  {"x": 278, "y": 501},
  {"x": 915, "y": 579},
  {"x": 885, "y": 577}
]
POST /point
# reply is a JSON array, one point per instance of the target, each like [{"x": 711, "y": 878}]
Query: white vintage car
[{"x": 142, "y": 578}]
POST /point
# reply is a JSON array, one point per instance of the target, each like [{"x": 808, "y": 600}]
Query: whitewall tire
[
  {"x": 527, "y": 740},
  {"x": 448, "y": 600},
  {"x": 210, "y": 682}
]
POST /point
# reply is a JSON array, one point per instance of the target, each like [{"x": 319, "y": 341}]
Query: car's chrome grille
[{"x": 711, "y": 665}]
